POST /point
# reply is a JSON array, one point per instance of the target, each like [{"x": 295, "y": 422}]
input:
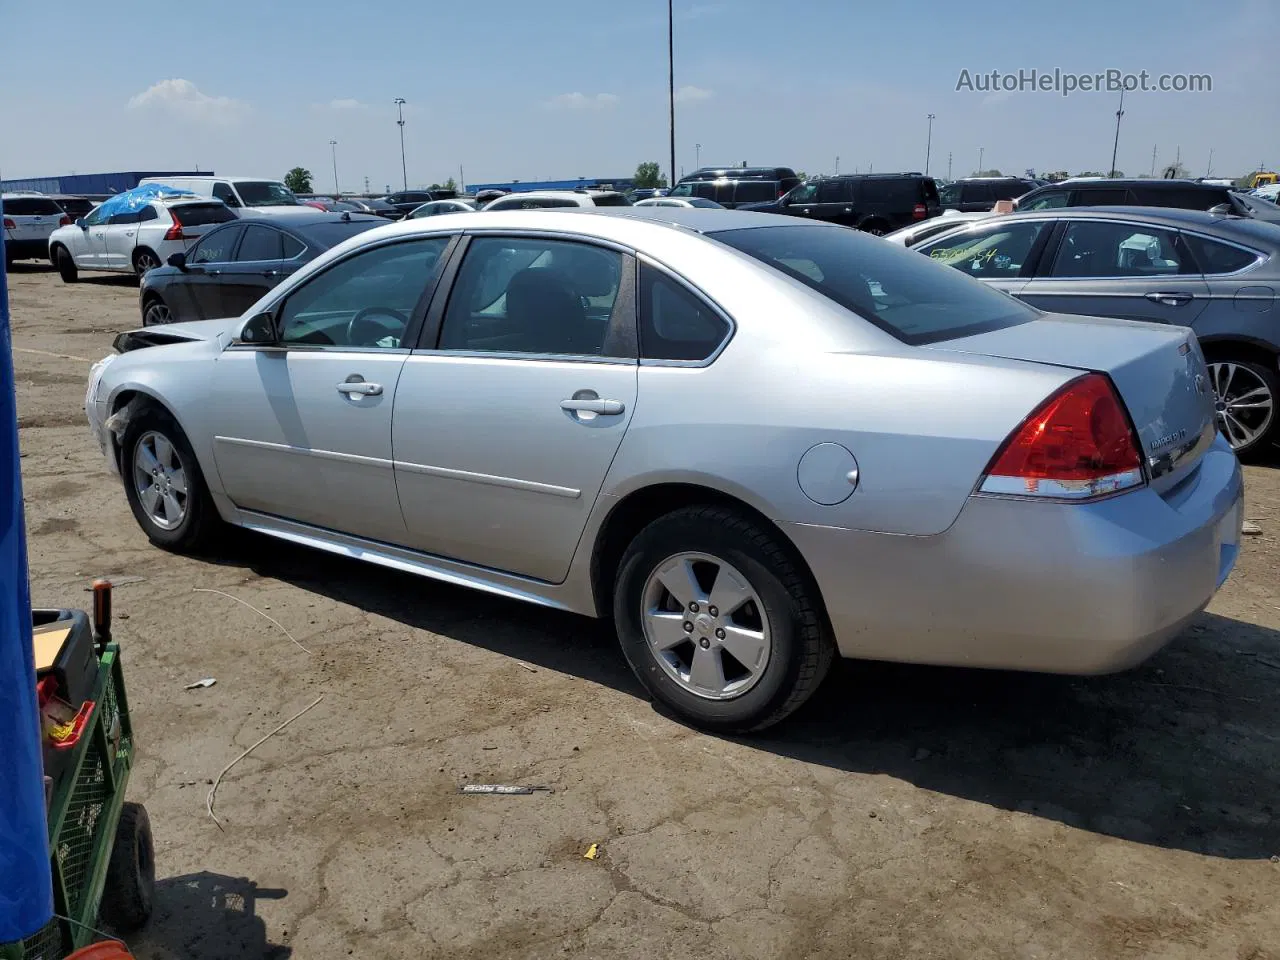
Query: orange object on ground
[{"x": 104, "y": 950}]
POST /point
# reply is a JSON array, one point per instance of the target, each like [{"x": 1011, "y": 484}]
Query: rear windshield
[
  {"x": 326, "y": 235},
  {"x": 199, "y": 214},
  {"x": 906, "y": 295},
  {"x": 611, "y": 200},
  {"x": 532, "y": 203},
  {"x": 32, "y": 207},
  {"x": 265, "y": 193}
]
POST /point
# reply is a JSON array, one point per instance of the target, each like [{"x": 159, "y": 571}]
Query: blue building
[
  {"x": 94, "y": 184},
  {"x": 519, "y": 186}
]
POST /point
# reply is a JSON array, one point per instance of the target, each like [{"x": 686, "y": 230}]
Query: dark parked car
[
  {"x": 1182, "y": 194},
  {"x": 736, "y": 186},
  {"x": 75, "y": 206},
  {"x": 876, "y": 203},
  {"x": 979, "y": 194},
  {"x": 230, "y": 268},
  {"x": 646, "y": 193},
  {"x": 409, "y": 200},
  {"x": 1218, "y": 275}
]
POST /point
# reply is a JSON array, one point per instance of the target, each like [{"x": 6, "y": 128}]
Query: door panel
[
  {"x": 294, "y": 440},
  {"x": 490, "y": 466}
]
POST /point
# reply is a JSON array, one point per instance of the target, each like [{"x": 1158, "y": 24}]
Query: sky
[{"x": 569, "y": 88}]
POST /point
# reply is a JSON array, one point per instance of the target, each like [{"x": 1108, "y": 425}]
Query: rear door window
[
  {"x": 755, "y": 191},
  {"x": 977, "y": 193},
  {"x": 1100, "y": 197},
  {"x": 1096, "y": 248}
]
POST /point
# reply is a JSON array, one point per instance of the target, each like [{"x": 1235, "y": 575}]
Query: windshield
[
  {"x": 906, "y": 295},
  {"x": 682, "y": 190},
  {"x": 265, "y": 193}
]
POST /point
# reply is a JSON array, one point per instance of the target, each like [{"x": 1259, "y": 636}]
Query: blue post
[{"x": 26, "y": 886}]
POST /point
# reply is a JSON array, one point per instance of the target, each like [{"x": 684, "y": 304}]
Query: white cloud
[
  {"x": 184, "y": 99},
  {"x": 693, "y": 94},
  {"x": 582, "y": 101}
]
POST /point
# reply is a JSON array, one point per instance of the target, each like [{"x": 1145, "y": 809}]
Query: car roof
[
  {"x": 1173, "y": 218},
  {"x": 1147, "y": 182}
]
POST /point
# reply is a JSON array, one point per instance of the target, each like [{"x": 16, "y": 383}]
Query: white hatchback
[
  {"x": 29, "y": 219},
  {"x": 134, "y": 241}
]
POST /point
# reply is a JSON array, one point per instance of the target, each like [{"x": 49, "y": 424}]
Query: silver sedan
[{"x": 753, "y": 444}]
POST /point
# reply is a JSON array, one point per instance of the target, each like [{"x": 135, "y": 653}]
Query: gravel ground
[{"x": 907, "y": 812}]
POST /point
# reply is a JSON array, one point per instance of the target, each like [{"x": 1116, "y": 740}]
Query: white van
[{"x": 241, "y": 194}]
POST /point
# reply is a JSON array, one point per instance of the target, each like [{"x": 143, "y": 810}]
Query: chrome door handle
[
  {"x": 610, "y": 408},
  {"x": 361, "y": 388},
  {"x": 213, "y": 273},
  {"x": 1169, "y": 299}
]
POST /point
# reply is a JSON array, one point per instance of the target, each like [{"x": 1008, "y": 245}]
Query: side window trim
[
  {"x": 647, "y": 263},
  {"x": 621, "y": 342},
  {"x": 412, "y": 330}
]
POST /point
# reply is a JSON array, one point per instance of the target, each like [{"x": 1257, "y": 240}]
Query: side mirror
[
  {"x": 178, "y": 260},
  {"x": 81, "y": 224},
  {"x": 258, "y": 329}
]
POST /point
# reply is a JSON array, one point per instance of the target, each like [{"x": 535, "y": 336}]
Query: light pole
[
  {"x": 404, "y": 171},
  {"x": 948, "y": 164},
  {"x": 671, "y": 84},
  {"x": 1116, "y": 146},
  {"x": 333, "y": 148},
  {"x": 981, "y": 151},
  {"x": 697, "y": 156},
  {"x": 928, "y": 145}
]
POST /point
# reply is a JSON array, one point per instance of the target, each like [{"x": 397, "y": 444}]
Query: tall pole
[
  {"x": 981, "y": 151},
  {"x": 404, "y": 171},
  {"x": 837, "y": 166},
  {"x": 333, "y": 147},
  {"x": 1154, "y": 147},
  {"x": 1209, "y": 171},
  {"x": 948, "y": 164},
  {"x": 697, "y": 156},
  {"x": 928, "y": 145},
  {"x": 671, "y": 84},
  {"x": 1116, "y": 146}
]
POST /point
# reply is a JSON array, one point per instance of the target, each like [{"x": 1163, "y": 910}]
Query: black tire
[
  {"x": 801, "y": 649},
  {"x": 66, "y": 266},
  {"x": 144, "y": 259},
  {"x": 155, "y": 311},
  {"x": 129, "y": 893},
  {"x": 199, "y": 527},
  {"x": 1270, "y": 428}
]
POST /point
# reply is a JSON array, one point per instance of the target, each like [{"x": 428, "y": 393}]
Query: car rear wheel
[
  {"x": 156, "y": 312},
  {"x": 144, "y": 260},
  {"x": 66, "y": 266},
  {"x": 164, "y": 485},
  {"x": 718, "y": 622},
  {"x": 1246, "y": 396}
]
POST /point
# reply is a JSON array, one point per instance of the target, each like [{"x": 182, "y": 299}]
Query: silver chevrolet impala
[{"x": 752, "y": 442}]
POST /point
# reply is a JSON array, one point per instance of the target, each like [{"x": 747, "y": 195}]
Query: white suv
[
  {"x": 134, "y": 241},
  {"x": 542, "y": 199},
  {"x": 242, "y": 194},
  {"x": 29, "y": 219}
]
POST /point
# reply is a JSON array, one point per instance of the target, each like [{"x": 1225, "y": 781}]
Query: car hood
[{"x": 192, "y": 331}]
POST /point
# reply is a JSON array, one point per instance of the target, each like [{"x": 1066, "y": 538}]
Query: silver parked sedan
[
  {"x": 1219, "y": 275},
  {"x": 753, "y": 444}
]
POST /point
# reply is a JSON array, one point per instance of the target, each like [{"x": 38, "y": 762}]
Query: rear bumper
[
  {"x": 1015, "y": 584},
  {"x": 26, "y": 249}
]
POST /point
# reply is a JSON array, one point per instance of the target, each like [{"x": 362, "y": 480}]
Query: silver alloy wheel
[
  {"x": 160, "y": 479},
  {"x": 145, "y": 261},
  {"x": 706, "y": 626},
  {"x": 1244, "y": 403},
  {"x": 157, "y": 312}
]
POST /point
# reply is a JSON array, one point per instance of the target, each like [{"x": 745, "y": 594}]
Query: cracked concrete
[{"x": 906, "y": 812}]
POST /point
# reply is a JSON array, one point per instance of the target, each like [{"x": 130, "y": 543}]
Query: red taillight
[
  {"x": 919, "y": 212},
  {"x": 781, "y": 193},
  {"x": 65, "y": 221},
  {"x": 9, "y": 224},
  {"x": 175, "y": 231},
  {"x": 1077, "y": 445}
]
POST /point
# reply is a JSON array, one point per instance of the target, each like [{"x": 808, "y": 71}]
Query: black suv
[
  {"x": 979, "y": 194},
  {"x": 409, "y": 200},
  {"x": 1181, "y": 194},
  {"x": 736, "y": 186},
  {"x": 876, "y": 203}
]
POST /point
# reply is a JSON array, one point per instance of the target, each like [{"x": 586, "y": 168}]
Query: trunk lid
[{"x": 1158, "y": 370}]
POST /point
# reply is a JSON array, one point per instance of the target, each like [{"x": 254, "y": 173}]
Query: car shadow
[
  {"x": 1177, "y": 753},
  {"x": 30, "y": 266},
  {"x": 207, "y": 916}
]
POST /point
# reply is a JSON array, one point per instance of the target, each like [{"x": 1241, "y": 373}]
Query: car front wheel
[
  {"x": 156, "y": 312},
  {"x": 164, "y": 485},
  {"x": 1246, "y": 395},
  {"x": 718, "y": 621}
]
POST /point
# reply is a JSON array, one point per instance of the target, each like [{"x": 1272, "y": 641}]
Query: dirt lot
[{"x": 907, "y": 812}]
